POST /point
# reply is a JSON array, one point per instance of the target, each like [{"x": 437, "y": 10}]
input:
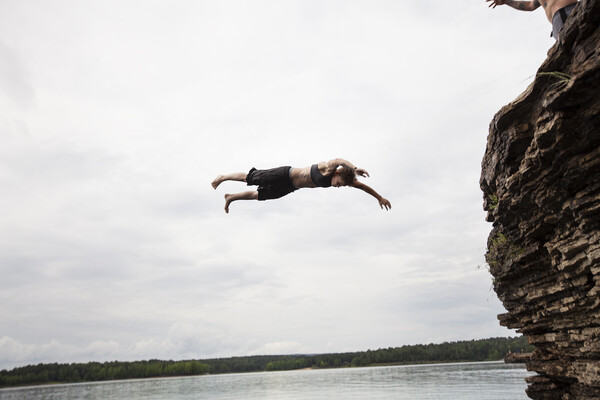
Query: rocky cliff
[{"x": 541, "y": 183}]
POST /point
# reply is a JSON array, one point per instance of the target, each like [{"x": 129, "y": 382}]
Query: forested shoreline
[{"x": 474, "y": 350}]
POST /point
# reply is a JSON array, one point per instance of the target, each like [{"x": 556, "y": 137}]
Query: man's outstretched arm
[
  {"x": 368, "y": 189},
  {"x": 517, "y": 5},
  {"x": 336, "y": 162}
]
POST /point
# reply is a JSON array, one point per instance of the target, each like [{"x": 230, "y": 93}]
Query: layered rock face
[{"x": 541, "y": 183}]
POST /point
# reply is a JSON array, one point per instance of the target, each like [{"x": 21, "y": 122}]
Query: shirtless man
[
  {"x": 557, "y": 11},
  {"x": 277, "y": 182}
]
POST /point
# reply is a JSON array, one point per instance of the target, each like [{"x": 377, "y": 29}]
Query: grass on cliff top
[{"x": 561, "y": 78}]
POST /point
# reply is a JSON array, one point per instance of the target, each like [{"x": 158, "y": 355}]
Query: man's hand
[
  {"x": 361, "y": 172},
  {"x": 530, "y": 5},
  {"x": 495, "y": 3},
  {"x": 385, "y": 203}
]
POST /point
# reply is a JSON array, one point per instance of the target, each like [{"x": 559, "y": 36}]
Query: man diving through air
[{"x": 277, "y": 182}]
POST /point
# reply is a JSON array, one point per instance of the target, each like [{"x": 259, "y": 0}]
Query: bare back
[
  {"x": 552, "y": 6},
  {"x": 301, "y": 176}
]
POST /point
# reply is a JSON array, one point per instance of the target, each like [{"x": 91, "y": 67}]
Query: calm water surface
[{"x": 477, "y": 381}]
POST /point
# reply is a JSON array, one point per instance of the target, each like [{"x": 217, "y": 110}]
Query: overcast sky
[{"x": 117, "y": 115}]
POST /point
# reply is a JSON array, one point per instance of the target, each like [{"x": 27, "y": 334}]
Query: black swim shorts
[
  {"x": 272, "y": 183},
  {"x": 559, "y": 18}
]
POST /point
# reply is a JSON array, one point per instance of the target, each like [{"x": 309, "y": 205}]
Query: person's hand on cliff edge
[{"x": 495, "y": 3}]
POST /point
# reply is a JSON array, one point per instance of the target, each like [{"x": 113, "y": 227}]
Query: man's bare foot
[
  {"x": 218, "y": 180},
  {"x": 227, "y": 202}
]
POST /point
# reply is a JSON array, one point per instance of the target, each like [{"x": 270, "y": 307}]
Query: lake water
[{"x": 477, "y": 381}]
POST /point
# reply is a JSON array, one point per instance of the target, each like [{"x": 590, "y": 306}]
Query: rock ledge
[{"x": 541, "y": 183}]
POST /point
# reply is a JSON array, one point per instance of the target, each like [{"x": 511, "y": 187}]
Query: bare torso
[
  {"x": 552, "y": 6},
  {"x": 301, "y": 176}
]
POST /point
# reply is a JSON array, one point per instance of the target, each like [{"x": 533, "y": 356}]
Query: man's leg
[
  {"x": 236, "y": 176},
  {"x": 249, "y": 195}
]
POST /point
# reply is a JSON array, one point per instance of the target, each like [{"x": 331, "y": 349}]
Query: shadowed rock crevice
[{"x": 541, "y": 183}]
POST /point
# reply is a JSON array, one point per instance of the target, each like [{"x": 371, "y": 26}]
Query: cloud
[
  {"x": 113, "y": 241},
  {"x": 277, "y": 348},
  {"x": 14, "y": 80}
]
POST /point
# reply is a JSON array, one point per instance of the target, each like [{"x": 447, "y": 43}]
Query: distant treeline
[{"x": 474, "y": 350}]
